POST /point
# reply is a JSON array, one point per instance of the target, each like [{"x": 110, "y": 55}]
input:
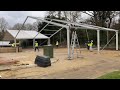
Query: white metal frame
[
  {"x": 68, "y": 25},
  {"x": 93, "y": 27}
]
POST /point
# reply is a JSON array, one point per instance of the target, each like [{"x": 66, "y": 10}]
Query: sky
[{"x": 13, "y": 17}]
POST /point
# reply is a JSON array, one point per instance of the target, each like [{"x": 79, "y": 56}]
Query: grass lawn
[{"x": 112, "y": 75}]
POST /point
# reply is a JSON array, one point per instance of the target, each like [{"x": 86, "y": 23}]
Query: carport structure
[{"x": 68, "y": 25}]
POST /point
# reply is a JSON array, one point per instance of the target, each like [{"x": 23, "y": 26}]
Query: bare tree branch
[
  {"x": 3, "y": 24},
  {"x": 87, "y": 13}
]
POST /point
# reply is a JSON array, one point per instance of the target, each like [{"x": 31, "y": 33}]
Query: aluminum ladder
[{"x": 75, "y": 45}]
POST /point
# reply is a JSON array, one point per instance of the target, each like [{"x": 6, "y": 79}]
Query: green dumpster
[{"x": 48, "y": 50}]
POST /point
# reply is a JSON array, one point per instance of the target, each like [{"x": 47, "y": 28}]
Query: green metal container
[{"x": 48, "y": 50}]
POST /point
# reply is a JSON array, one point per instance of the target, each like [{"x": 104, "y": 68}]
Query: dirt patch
[
  {"x": 7, "y": 62},
  {"x": 62, "y": 63}
]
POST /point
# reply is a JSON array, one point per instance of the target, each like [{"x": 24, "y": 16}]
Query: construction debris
[
  {"x": 4, "y": 62},
  {"x": 20, "y": 66},
  {"x": 4, "y": 68}
]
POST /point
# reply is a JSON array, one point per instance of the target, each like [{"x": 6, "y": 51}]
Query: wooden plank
[
  {"x": 4, "y": 68},
  {"x": 9, "y": 49},
  {"x": 23, "y": 66}
]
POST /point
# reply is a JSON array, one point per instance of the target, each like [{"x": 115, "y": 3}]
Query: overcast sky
[{"x": 13, "y": 17}]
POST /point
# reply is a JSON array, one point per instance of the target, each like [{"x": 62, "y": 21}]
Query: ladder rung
[
  {"x": 49, "y": 30},
  {"x": 75, "y": 44},
  {"x": 47, "y": 34},
  {"x": 51, "y": 25}
]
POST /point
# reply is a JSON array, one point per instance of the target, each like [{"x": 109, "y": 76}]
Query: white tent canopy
[{"x": 27, "y": 34}]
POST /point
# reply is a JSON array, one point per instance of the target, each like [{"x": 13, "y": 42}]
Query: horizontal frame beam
[
  {"x": 61, "y": 25},
  {"x": 84, "y": 25}
]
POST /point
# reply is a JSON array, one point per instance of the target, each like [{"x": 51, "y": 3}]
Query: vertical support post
[
  {"x": 19, "y": 43},
  {"x": 15, "y": 45},
  {"x": 15, "y": 42},
  {"x": 98, "y": 40},
  {"x": 33, "y": 43},
  {"x": 68, "y": 41},
  {"x": 48, "y": 41},
  {"x": 116, "y": 40},
  {"x": 107, "y": 37},
  {"x": 60, "y": 37}
]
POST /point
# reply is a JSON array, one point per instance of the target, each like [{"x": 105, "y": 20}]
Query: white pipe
[
  {"x": 42, "y": 29},
  {"x": 84, "y": 25},
  {"x": 68, "y": 42},
  {"x": 48, "y": 41},
  {"x": 33, "y": 43},
  {"x": 98, "y": 40},
  {"x": 109, "y": 41},
  {"x": 21, "y": 26},
  {"x": 116, "y": 40},
  {"x": 58, "y": 24},
  {"x": 15, "y": 42}
]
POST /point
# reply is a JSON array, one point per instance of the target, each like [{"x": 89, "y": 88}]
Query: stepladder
[{"x": 75, "y": 46}]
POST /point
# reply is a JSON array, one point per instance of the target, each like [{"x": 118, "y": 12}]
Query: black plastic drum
[{"x": 42, "y": 61}]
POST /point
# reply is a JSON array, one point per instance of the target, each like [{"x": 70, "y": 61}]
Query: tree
[
  {"x": 3, "y": 24},
  {"x": 3, "y": 27},
  {"x": 51, "y": 13},
  {"x": 58, "y": 36},
  {"x": 102, "y": 18},
  {"x": 17, "y": 26},
  {"x": 35, "y": 26},
  {"x": 72, "y": 16},
  {"x": 28, "y": 26}
]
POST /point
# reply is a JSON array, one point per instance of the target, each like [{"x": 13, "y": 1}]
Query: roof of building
[{"x": 27, "y": 34}]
